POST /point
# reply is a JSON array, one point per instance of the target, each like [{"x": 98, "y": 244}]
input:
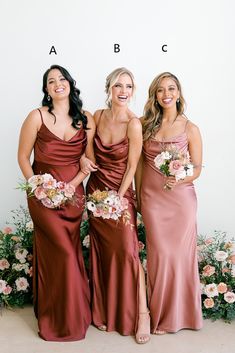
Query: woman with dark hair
[
  {"x": 117, "y": 277},
  {"x": 169, "y": 208},
  {"x": 59, "y": 133}
]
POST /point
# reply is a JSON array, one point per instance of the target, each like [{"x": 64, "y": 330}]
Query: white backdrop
[{"x": 200, "y": 40}]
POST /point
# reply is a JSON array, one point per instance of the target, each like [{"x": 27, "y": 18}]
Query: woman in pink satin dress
[
  {"x": 117, "y": 278},
  {"x": 169, "y": 214},
  {"x": 58, "y": 135}
]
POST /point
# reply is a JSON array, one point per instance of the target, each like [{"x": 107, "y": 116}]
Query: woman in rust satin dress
[
  {"x": 169, "y": 214},
  {"x": 57, "y": 134},
  {"x": 117, "y": 280}
]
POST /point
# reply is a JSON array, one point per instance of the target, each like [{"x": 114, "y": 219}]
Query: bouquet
[
  {"x": 107, "y": 204},
  {"x": 50, "y": 192},
  {"x": 172, "y": 162},
  {"x": 216, "y": 256}
]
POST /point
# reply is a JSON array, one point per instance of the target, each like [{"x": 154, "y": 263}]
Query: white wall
[{"x": 201, "y": 47}]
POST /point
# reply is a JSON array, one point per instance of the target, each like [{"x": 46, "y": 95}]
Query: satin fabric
[
  {"x": 114, "y": 247},
  {"x": 170, "y": 221},
  {"x": 61, "y": 289}
]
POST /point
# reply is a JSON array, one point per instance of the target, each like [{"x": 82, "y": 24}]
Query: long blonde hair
[
  {"x": 112, "y": 79},
  {"x": 153, "y": 112}
]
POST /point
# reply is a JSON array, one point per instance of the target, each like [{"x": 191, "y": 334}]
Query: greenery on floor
[{"x": 216, "y": 258}]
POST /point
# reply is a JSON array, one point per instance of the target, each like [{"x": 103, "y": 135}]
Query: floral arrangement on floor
[
  {"x": 216, "y": 256},
  {"x": 16, "y": 260}
]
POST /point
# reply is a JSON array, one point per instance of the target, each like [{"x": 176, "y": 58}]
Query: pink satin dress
[
  {"x": 61, "y": 289},
  {"x": 171, "y": 234},
  {"x": 114, "y": 247}
]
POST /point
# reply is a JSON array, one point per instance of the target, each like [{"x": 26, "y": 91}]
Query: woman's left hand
[{"x": 170, "y": 182}]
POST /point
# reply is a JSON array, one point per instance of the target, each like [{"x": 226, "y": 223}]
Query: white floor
[{"x": 18, "y": 334}]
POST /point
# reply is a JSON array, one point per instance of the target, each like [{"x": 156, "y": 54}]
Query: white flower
[
  {"x": 20, "y": 267},
  {"x": 233, "y": 272},
  {"x": 189, "y": 171},
  {"x": 21, "y": 254},
  {"x": 91, "y": 206},
  {"x": 158, "y": 160},
  {"x": 166, "y": 155},
  {"x": 86, "y": 241},
  {"x": 57, "y": 199},
  {"x": 21, "y": 283},
  {"x": 4, "y": 264},
  {"x": 181, "y": 174},
  {"x": 3, "y": 285},
  {"x": 229, "y": 297},
  {"x": 109, "y": 201},
  {"x": 29, "y": 226},
  {"x": 221, "y": 255},
  {"x": 211, "y": 290}
]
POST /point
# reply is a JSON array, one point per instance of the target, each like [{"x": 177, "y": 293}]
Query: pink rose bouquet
[
  {"x": 172, "y": 162},
  {"x": 107, "y": 204},
  {"x": 49, "y": 191}
]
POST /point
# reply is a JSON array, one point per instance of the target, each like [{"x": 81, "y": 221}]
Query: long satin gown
[
  {"x": 114, "y": 247},
  {"x": 170, "y": 221},
  {"x": 61, "y": 289}
]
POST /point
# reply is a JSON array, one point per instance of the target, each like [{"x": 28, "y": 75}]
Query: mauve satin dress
[
  {"x": 114, "y": 247},
  {"x": 61, "y": 289},
  {"x": 171, "y": 235}
]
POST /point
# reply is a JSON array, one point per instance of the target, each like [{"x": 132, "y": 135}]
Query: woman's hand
[
  {"x": 170, "y": 182},
  {"x": 87, "y": 165}
]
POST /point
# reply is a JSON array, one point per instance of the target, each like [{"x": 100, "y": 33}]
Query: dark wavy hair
[{"x": 75, "y": 102}]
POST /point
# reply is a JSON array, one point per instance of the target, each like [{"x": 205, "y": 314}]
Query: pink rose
[
  {"x": 40, "y": 193},
  {"x": 175, "y": 166},
  {"x": 124, "y": 203},
  {"x": 209, "y": 303},
  {"x": 232, "y": 259},
  {"x": 69, "y": 190},
  {"x": 7, "y": 290},
  {"x": 208, "y": 271},
  {"x": 4, "y": 264},
  {"x": 222, "y": 288},
  {"x": 21, "y": 283},
  {"x": 141, "y": 246},
  {"x": 229, "y": 297},
  {"x": 221, "y": 255},
  {"x": 47, "y": 203},
  {"x": 209, "y": 241},
  {"x": 7, "y": 230}
]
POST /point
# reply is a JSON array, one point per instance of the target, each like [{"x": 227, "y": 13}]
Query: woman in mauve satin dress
[
  {"x": 169, "y": 215},
  {"x": 117, "y": 278},
  {"x": 57, "y": 134}
]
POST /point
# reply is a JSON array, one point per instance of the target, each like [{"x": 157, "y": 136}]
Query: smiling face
[
  {"x": 122, "y": 90},
  {"x": 167, "y": 93},
  {"x": 57, "y": 85}
]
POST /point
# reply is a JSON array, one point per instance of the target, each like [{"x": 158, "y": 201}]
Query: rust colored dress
[
  {"x": 170, "y": 221},
  {"x": 61, "y": 289},
  {"x": 114, "y": 247}
]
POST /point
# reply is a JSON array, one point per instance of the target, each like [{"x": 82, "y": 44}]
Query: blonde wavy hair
[
  {"x": 153, "y": 112},
  {"x": 112, "y": 79}
]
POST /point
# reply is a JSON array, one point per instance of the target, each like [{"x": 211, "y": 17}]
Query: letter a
[{"x": 53, "y": 50}]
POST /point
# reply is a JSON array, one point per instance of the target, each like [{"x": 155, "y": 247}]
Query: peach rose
[
  {"x": 209, "y": 303},
  {"x": 222, "y": 288},
  {"x": 208, "y": 271},
  {"x": 229, "y": 297},
  {"x": 7, "y": 230},
  {"x": 232, "y": 259}
]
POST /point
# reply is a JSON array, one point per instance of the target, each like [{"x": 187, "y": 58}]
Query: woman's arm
[
  {"x": 138, "y": 181},
  {"x": 195, "y": 152},
  {"x": 134, "y": 134},
  {"x": 28, "y": 135}
]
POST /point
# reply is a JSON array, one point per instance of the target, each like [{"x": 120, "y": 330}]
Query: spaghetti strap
[
  {"x": 186, "y": 125},
  {"x": 41, "y": 116},
  {"x": 98, "y": 122}
]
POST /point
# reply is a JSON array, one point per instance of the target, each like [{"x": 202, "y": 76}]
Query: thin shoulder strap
[
  {"x": 98, "y": 121},
  {"x": 186, "y": 125},
  {"x": 41, "y": 116}
]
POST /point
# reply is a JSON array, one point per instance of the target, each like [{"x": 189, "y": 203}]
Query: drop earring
[
  {"x": 178, "y": 100},
  {"x": 48, "y": 98}
]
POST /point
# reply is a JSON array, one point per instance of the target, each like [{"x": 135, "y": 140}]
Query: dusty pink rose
[
  {"x": 175, "y": 166},
  {"x": 40, "y": 193},
  {"x": 209, "y": 241},
  {"x": 4, "y": 264},
  {"x": 221, "y": 255},
  {"x": 229, "y": 297},
  {"x": 7, "y": 290},
  {"x": 211, "y": 290},
  {"x": 124, "y": 203},
  {"x": 69, "y": 190},
  {"x": 222, "y": 288},
  {"x": 208, "y": 270},
  {"x": 21, "y": 283},
  {"x": 30, "y": 257},
  {"x": 209, "y": 303},
  {"x": 3, "y": 285},
  {"x": 7, "y": 230},
  {"x": 47, "y": 203},
  {"x": 61, "y": 185}
]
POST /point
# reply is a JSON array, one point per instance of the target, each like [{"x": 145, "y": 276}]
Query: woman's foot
[
  {"x": 102, "y": 327},
  {"x": 159, "y": 332},
  {"x": 143, "y": 333}
]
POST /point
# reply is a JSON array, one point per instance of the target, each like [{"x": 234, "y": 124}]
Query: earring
[
  {"x": 178, "y": 100},
  {"x": 48, "y": 98}
]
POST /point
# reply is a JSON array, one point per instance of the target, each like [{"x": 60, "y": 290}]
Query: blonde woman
[
  {"x": 169, "y": 213},
  {"x": 117, "y": 279}
]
